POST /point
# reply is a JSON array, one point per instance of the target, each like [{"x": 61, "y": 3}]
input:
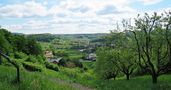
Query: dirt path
[{"x": 77, "y": 86}]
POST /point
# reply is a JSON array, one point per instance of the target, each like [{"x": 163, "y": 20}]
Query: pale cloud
[
  {"x": 27, "y": 9},
  {"x": 69, "y": 16},
  {"x": 149, "y": 2}
]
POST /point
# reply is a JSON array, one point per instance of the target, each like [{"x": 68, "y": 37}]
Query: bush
[
  {"x": 20, "y": 55},
  {"x": 51, "y": 66},
  {"x": 63, "y": 61},
  {"x": 77, "y": 63},
  {"x": 71, "y": 73},
  {"x": 32, "y": 59},
  {"x": 40, "y": 59},
  {"x": 75, "y": 60},
  {"x": 61, "y": 53},
  {"x": 70, "y": 62},
  {"x": 32, "y": 67}
]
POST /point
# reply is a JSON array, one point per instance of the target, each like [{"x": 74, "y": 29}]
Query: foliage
[
  {"x": 12, "y": 43},
  {"x": 61, "y": 53},
  {"x": 105, "y": 67},
  {"x": 70, "y": 62},
  {"x": 52, "y": 66},
  {"x": 32, "y": 67},
  {"x": 20, "y": 55}
]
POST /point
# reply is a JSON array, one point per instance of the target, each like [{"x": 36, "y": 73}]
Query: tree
[
  {"x": 4, "y": 45},
  {"x": 126, "y": 62},
  {"x": 20, "y": 43},
  {"x": 34, "y": 47},
  {"x": 167, "y": 24},
  {"x": 151, "y": 45},
  {"x": 106, "y": 64}
]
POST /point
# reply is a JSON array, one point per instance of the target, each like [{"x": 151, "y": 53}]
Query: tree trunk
[
  {"x": 114, "y": 77},
  {"x": 0, "y": 59},
  {"x": 18, "y": 74},
  {"x": 127, "y": 76},
  {"x": 169, "y": 53},
  {"x": 154, "y": 77}
]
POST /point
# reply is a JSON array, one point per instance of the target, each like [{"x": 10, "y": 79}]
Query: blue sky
[{"x": 72, "y": 16}]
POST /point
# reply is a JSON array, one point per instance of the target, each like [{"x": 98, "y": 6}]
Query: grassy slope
[
  {"x": 137, "y": 83},
  {"x": 29, "y": 81},
  {"x": 48, "y": 81}
]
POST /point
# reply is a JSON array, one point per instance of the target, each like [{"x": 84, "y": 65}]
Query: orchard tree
[
  {"x": 151, "y": 44},
  {"x": 126, "y": 62},
  {"x": 167, "y": 27},
  {"x": 106, "y": 63}
]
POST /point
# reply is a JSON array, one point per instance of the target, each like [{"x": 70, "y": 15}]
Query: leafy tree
[
  {"x": 4, "y": 45},
  {"x": 167, "y": 24},
  {"x": 106, "y": 64},
  {"x": 126, "y": 62},
  {"x": 151, "y": 44},
  {"x": 20, "y": 43},
  {"x": 34, "y": 47}
]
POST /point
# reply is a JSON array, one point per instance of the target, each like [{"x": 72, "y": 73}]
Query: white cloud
[
  {"x": 68, "y": 16},
  {"x": 27, "y": 9},
  {"x": 149, "y": 2}
]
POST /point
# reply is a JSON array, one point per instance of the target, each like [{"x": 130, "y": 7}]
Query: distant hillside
[{"x": 50, "y": 37}]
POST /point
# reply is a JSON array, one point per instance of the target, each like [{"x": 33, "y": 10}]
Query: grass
[
  {"x": 68, "y": 79},
  {"x": 137, "y": 83},
  {"x": 29, "y": 81},
  {"x": 74, "y": 75}
]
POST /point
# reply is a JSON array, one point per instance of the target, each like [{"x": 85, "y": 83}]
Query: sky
[{"x": 72, "y": 16}]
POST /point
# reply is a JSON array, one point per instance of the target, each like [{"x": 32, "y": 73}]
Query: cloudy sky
[{"x": 72, "y": 16}]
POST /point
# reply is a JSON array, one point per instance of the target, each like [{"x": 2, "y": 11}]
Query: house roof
[{"x": 55, "y": 59}]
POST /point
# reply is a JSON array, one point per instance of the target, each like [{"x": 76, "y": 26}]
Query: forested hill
[{"x": 49, "y": 37}]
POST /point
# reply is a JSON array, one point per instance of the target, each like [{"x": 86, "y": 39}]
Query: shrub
[
  {"x": 32, "y": 67},
  {"x": 77, "y": 63},
  {"x": 40, "y": 59},
  {"x": 51, "y": 66},
  {"x": 32, "y": 59},
  {"x": 20, "y": 55},
  {"x": 75, "y": 60},
  {"x": 63, "y": 61},
  {"x": 61, "y": 53},
  {"x": 71, "y": 73},
  {"x": 70, "y": 62}
]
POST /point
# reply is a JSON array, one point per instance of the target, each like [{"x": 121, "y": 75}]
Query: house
[
  {"x": 82, "y": 50},
  {"x": 48, "y": 54},
  {"x": 91, "y": 56}
]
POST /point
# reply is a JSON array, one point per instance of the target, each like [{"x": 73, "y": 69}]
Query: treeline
[
  {"x": 16, "y": 45},
  {"x": 43, "y": 37},
  {"x": 50, "y": 37},
  {"x": 142, "y": 48}
]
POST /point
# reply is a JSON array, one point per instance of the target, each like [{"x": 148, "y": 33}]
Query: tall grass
[{"x": 29, "y": 81}]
